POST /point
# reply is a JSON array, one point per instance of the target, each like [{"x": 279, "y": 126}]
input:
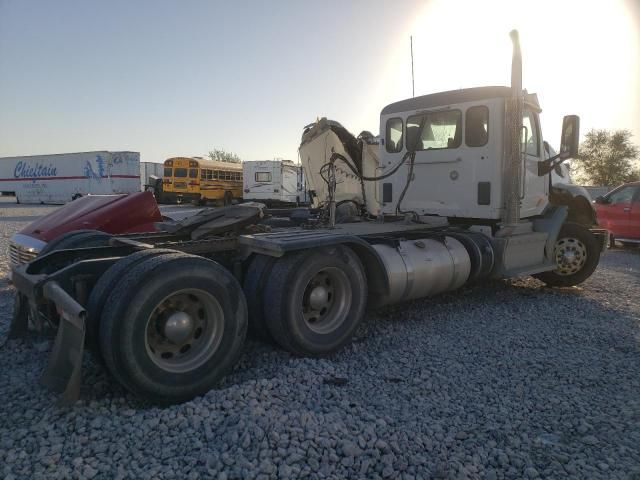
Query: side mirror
[
  {"x": 570, "y": 136},
  {"x": 412, "y": 137},
  {"x": 601, "y": 200}
]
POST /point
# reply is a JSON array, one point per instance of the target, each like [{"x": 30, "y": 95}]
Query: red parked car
[{"x": 619, "y": 212}]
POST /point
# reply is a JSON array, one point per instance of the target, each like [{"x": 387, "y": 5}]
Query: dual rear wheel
[
  {"x": 309, "y": 302},
  {"x": 169, "y": 325}
]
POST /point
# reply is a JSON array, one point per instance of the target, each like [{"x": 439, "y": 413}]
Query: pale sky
[{"x": 169, "y": 78}]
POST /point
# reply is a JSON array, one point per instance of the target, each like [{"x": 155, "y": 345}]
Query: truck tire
[
  {"x": 577, "y": 254},
  {"x": 103, "y": 288},
  {"x": 315, "y": 300},
  {"x": 173, "y": 327},
  {"x": 77, "y": 239},
  {"x": 255, "y": 280}
]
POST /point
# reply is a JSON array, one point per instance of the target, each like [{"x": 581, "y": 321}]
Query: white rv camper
[
  {"x": 273, "y": 182},
  {"x": 60, "y": 178}
]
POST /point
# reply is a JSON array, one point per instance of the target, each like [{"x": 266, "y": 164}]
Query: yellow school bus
[{"x": 194, "y": 179}]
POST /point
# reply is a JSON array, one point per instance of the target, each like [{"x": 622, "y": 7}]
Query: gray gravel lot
[{"x": 501, "y": 380}]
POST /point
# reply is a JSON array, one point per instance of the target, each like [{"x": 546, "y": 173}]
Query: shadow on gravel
[{"x": 524, "y": 303}]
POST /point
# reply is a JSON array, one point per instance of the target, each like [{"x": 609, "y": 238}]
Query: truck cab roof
[{"x": 453, "y": 97}]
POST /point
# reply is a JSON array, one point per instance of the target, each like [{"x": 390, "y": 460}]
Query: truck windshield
[
  {"x": 441, "y": 130},
  {"x": 180, "y": 172}
]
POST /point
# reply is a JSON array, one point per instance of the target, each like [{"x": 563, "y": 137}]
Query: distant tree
[
  {"x": 607, "y": 158},
  {"x": 221, "y": 155}
]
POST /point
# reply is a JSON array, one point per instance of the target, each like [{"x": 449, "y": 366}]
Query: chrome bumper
[{"x": 23, "y": 249}]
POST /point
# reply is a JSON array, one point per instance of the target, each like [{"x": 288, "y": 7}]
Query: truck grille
[{"x": 20, "y": 255}]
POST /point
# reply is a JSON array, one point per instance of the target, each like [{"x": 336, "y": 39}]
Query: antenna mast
[{"x": 413, "y": 86}]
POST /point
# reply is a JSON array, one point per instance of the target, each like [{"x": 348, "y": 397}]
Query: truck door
[
  {"x": 534, "y": 189},
  {"x": 442, "y": 174},
  {"x": 616, "y": 215}
]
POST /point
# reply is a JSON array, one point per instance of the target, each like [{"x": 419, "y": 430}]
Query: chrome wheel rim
[
  {"x": 184, "y": 330},
  {"x": 326, "y": 300},
  {"x": 571, "y": 255}
]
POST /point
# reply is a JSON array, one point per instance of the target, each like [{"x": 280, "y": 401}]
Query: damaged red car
[{"x": 113, "y": 214}]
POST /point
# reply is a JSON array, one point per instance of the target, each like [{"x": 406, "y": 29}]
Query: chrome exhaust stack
[{"x": 512, "y": 143}]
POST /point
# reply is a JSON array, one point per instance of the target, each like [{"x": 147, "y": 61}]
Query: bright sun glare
[{"x": 579, "y": 56}]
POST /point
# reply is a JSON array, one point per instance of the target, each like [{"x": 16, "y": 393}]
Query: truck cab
[{"x": 458, "y": 169}]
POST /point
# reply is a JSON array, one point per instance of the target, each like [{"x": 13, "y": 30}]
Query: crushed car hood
[{"x": 133, "y": 213}]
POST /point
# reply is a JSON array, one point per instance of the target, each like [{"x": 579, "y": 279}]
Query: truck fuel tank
[{"x": 423, "y": 267}]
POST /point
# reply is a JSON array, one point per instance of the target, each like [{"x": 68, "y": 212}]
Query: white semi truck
[
  {"x": 457, "y": 190},
  {"x": 60, "y": 178},
  {"x": 273, "y": 182}
]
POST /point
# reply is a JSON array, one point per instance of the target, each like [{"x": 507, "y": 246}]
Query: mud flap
[{"x": 64, "y": 371}]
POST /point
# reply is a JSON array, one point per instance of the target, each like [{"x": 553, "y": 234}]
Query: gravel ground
[{"x": 503, "y": 380}]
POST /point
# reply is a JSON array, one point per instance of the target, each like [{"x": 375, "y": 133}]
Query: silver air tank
[{"x": 423, "y": 267}]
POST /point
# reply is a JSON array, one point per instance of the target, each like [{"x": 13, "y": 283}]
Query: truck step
[{"x": 521, "y": 254}]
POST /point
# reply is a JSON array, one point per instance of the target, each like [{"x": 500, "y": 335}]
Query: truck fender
[
  {"x": 578, "y": 201},
  {"x": 551, "y": 223}
]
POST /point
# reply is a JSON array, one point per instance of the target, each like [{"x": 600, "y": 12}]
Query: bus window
[
  {"x": 180, "y": 172},
  {"x": 168, "y": 171},
  {"x": 193, "y": 173}
]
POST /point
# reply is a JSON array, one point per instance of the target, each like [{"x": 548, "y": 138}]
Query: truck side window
[
  {"x": 394, "y": 135},
  {"x": 439, "y": 130},
  {"x": 531, "y": 147},
  {"x": 477, "y": 126}
]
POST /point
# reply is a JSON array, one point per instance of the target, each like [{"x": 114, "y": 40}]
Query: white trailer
[
  {"x": 60, "y": 178},
  {"x": 150, "y": 169},
  {"x": 273, "y": 182}
]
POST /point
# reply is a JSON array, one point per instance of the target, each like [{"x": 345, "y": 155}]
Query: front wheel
[{"x": 577, "y": 253}]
